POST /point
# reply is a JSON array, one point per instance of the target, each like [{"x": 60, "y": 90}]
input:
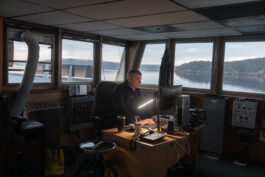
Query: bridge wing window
[
  {"x": 17, "y": 54},
  {"x": 151, "y": 61},
  {"x": 244, "y": 67},
  {"x": 193, "y": 65},
  {"x": 77, "y": 61},
  {"x": 113, "y": 62}
]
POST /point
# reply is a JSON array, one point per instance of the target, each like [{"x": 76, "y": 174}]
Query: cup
[
  {"x": 121, "y": 123},
  {"x": 137, "y": 119},
  {"x": 137, "y": 128},
  {"x": 170, "y": 125}
]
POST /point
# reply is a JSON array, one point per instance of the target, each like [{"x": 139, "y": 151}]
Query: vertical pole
[
  {"x": 1, "y": 55},
  {"x": 157, "y": 114}
]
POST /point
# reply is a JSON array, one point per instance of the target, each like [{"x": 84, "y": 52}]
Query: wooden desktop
[{"x": 149, "y": 159}]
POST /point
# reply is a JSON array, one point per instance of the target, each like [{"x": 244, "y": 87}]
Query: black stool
[{"x": 94, "y": 151}]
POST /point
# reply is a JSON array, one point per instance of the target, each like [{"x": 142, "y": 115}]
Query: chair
[
  {"x": 104, "y": 117},
  {"x": 21, "y": 145},
  {"x": 103, "y": 111}
]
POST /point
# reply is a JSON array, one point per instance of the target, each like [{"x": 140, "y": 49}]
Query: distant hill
[
  {"x": 146, "y": 67},
  {"x": 256, "y": 66},
  {"x": 195, "y": 66},
  {"x": 251, "y": 65},
  {"x": 106, "y": 64}
]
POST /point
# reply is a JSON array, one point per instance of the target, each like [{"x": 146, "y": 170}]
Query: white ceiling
[{"x": 133, "y": 19}]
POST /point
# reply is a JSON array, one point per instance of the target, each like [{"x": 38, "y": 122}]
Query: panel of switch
[{"x": 244, "y": 114}]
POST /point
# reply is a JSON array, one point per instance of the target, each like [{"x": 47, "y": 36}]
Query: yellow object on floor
[{"x": 54, "y": 162}]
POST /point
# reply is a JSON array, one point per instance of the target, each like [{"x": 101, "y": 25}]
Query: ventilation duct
[{"x": 29, "y": 74}]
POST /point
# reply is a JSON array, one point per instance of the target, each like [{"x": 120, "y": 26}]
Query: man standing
[{"x": 126, "y": 97}]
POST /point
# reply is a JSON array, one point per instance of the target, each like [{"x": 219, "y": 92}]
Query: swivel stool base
[{"x": 94, "y": 158}]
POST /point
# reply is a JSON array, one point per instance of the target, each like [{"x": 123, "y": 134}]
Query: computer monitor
[{"x": 167, "y": 95}]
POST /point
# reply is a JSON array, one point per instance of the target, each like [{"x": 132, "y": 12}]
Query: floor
[
  {"x": 226, "y": 168},
  {"x": 206, "y": 167}
]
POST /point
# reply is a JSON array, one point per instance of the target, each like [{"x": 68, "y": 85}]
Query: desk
[{"x": 148, "y": 160}]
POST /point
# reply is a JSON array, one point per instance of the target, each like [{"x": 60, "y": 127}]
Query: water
[{"x": 231, "y": 83}]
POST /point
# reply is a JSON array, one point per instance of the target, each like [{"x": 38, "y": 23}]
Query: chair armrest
[{"x": 17, "y": 123}]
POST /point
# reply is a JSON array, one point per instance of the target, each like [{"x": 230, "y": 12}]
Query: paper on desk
[
  {"x": 87, "y": 145},
  {"x": 83, "y": 89}
]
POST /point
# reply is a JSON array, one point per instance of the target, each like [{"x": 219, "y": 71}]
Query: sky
[
  {"x": 247, "y": 50},
  {"x": 153, "y": 53},
  {"x": 184, "y": 52},
  {"x": 77, "y": 49},
  {"x": 84, "y": 50},
  {"x": 21, "y": 53},
  {"x": 187, "y": 52}
]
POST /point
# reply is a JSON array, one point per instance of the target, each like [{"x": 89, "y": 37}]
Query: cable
[
  {"x": 179, "y": 165},
  {"x": 133, "y": 143},
  {"x": 187, "y": 152}
]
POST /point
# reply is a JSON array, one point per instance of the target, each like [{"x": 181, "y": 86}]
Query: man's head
[{"x": 134, "y": 78}]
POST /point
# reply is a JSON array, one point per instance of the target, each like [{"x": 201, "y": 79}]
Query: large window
[
  {"x": 151, "y": 61},
  {"x": 17, "y": 59},
  {"x": 244, "y": 67},
  {"x": 77, "y": 61},
  {"x": 113, "y": 62},
  {"x": 193, "y": 65}
]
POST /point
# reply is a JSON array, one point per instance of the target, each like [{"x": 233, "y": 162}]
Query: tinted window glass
[
  {"x": 151, "y": 61},
  {"x": 193, "y": 65},
  {"x": 17, "y": 58},
  {"x": 112, "y": 68},
  {"x": 77, "y": 61},
  {"x": 244, "y": 67}
]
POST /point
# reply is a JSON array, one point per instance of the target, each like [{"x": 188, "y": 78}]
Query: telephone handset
[
  {"x": 148, "y": 132},
  {"x": 133, "y": 141}
]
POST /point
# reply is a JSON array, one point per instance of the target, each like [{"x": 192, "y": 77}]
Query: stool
[{"x": 94, "y": 159}]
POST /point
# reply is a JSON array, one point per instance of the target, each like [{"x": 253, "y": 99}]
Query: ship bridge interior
[{"x": 213, "y": 49}]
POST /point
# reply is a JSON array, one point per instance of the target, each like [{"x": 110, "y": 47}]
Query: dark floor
[
  {"x": 206, "y": 167},
  {"x": 226, "y": 168}
]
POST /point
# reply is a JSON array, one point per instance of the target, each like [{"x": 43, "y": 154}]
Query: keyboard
[
  {"x": 163, "y": 121},
  {"x": 154, "y": 137}
]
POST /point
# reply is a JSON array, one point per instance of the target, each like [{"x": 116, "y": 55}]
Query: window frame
[
  {"x": 12, "y": 87},
  {"x": 245, "y": 38},
  {"x": 214, "y": 71},
  {"x": 150, "y": 86},
  {"x": 76, "y": 37},
  {"x": 114, "y": 43}
]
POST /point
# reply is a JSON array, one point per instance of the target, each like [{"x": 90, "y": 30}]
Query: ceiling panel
[
  {"x": 199, "y": 25},
  {"x": 158, "y": 29},
  {"x": 90, "y": 26},
  {"x": 233, "y": 11},
  {"x": 161, "y": 19},
  {"x": 118, "y": 32},
  {"x": 146, "y": 36},
  {"x": 209, "y": 3},
  {"x": 257, "y": 29},
  {"x": 53, "y": 18},
  {"x": 246, "y": 21},
  {"x": 202, "y": 33},
  {"x": 19, "y": 8},
  {"x": 143, "y": 19},
  {"x": 129, "y": 8},
  {"x": 62, "y": 4}
]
